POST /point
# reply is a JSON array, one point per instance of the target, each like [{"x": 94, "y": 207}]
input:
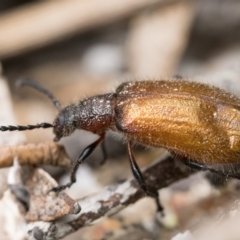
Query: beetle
[{"x": 197, "y": 123}]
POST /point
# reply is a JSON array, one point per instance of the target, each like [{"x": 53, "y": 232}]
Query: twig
[
  {"x": 48, "y": 153},
  {"x": 43, "y": 23},
  {"x": 113, "y": 199}
]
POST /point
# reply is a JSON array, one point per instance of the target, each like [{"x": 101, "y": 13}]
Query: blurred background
[{"x": 83, "y": 48}]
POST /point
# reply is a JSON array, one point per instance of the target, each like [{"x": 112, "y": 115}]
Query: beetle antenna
[
  {"x": 31, "y": 83},
  {"x": 23, "y": 128}
]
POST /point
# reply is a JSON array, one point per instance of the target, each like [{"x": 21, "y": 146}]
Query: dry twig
[
  {"x": 112, "y": 199},
  {"x": 43, "y": 23},
  {"x": 48, "y": 153},
  {"x": 157, "y": 36}
]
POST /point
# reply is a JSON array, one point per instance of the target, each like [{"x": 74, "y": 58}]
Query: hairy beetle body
[{"x": 197, "y": 123}]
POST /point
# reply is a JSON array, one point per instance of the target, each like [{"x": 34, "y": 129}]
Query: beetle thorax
[{"x": 95, "y": 114}]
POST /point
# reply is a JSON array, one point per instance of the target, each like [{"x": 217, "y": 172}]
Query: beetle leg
[
  {"x": 85, "y": 153},
  {"x": 140, "y": 179},
  {"x": 104, "y": 152},
  {"x": 203, "y": 167}
]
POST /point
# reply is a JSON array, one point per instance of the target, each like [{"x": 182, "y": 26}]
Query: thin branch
[
  {"x": 119, "y": 196},
  {"x": 113, "y": 199},
  {"x": 48, "y": 153},
  {"x": 39, "y": 24}
]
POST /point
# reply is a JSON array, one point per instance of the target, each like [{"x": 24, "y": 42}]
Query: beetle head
[{"x": 63, "y": 124}]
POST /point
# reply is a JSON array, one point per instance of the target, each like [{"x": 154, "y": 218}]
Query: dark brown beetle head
[
  {"x": 65, "y": 123},
  {"x": 94, "y": 114}
]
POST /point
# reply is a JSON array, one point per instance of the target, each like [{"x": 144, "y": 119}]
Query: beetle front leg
[
  {"x": 85, "y": 153},
  {"x": 104, "y": 152},
  {"x": 140, "y": 179}
]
